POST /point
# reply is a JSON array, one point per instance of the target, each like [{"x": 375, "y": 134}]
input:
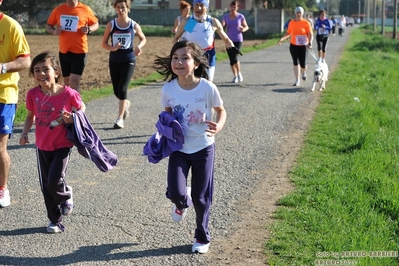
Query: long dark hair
[{"x": 163, "y": 64}]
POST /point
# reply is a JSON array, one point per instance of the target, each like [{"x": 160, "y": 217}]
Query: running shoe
[
  {"x": 178, "y": 215},
  {"x": 119, "y": 123},
  {"x": 55, "y": 228},
  {"x": 5, "y": 199},
  {"x": 199, "y": 247},
  {"x": 235, "y": 80},
  {"x": 240, "y": 78},
  {"x": 296, "y": 83},
  {"x": 304, "y": 76}
]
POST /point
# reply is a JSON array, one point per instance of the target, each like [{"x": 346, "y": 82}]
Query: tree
[
  {"x": 31, "y": 8},
  {"x": 101, "y": 8},
  {"x": 308, "y": 5}
]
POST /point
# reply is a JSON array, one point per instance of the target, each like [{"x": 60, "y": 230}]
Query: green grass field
[{"x": 347, "y": 174}]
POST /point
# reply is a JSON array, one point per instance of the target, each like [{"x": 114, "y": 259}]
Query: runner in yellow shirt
[{"x": 14, "y": 56}]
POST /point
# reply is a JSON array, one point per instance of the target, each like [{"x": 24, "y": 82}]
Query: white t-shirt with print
[{"x": 191, "y": 108}]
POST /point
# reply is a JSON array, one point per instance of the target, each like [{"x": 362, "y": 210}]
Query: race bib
[
  {"x": 125, "y": 39},
  {"x": 321, "y": 31},
  {"x": 300, "y": 40},
  {"x": 69, "y": 23}
]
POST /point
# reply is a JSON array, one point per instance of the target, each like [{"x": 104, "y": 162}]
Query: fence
[{"x": 263, "y": 21}]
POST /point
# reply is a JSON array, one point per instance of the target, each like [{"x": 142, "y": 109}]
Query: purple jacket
[
  {"x": 88, "y": 144},
  {"x": 168, "y": 139}
]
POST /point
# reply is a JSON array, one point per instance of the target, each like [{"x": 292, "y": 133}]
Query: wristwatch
[
  {"x": 88, "y": 31},
  {"x": 3, "y": 69}
]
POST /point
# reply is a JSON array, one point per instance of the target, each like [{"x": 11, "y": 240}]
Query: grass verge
[{"x": 346, "y": 204}]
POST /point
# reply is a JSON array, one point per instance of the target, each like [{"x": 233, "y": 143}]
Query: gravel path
[{"x": 122, "y": 217}]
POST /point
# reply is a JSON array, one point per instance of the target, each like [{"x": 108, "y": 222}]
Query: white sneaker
[
  {"x": 67, "y": 206},
  {"x": 119, "y": 123},
  {"x": 235, "y": 80},
  {"x": 55, "y": 228},
  {"x": 304, "y": 76},
  {"x": 126, "y": 113},
  {"x": 5, "y": 199},
  {"x": 178, "y": 215},
  {"x": 200, "y": 247},
  {"x": 240, "y": 78},
  {"x": 297, "y": 83}
]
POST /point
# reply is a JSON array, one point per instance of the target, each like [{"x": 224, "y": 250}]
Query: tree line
[{"x": 102, "y": 8}]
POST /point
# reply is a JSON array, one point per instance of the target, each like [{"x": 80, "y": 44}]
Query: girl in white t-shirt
[{"x": 192, "y": 99}]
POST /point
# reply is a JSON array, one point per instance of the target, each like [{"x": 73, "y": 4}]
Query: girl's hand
[
  {"x": 213, "y": 128},
  {"x": 23, "y": 139},
  {"x": 67, "y": 117}
]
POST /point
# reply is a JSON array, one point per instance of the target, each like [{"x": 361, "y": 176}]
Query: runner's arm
[
  {"x": 105, "y": 42},
  {"x": 219, "y": 29},
  {"x": 51, "y": 29},
  {"x": 244, "y": 25},
  {"x": 142, "y": 42},
  {"x": 175, "y": 26},
  {"x": 180, "y": 30},
  {"x": 20, "y": 63},
  {"x": 284, "y": 38}
]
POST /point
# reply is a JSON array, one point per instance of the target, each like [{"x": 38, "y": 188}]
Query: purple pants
[
  {"x": 52, "y": 167},
  {"x": 202, "y": 169}
]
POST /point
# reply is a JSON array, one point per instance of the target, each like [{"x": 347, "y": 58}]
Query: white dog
[{"x": 320, "y": 75}]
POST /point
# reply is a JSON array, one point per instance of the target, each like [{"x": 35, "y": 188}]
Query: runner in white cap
[{"x": 200, "y": 28}]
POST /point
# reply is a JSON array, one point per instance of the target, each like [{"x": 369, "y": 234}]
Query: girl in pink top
[{"x": 49, "y": 106}]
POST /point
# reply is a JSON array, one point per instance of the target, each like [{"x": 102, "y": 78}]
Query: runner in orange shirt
[
  {"x": 301, "y": 34},
  {"x": 72, "y": 21}
]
